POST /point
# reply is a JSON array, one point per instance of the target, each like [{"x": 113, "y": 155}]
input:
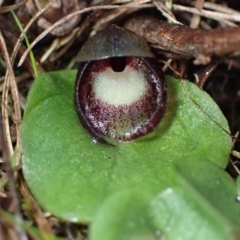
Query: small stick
[{"x": 179, "y": 41}]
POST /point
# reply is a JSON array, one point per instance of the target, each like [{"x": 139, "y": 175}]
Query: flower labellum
[{"x": 120, "y": 89}]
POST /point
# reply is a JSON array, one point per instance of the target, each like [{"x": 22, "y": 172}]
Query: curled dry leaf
[
  {"x": 12, "y": 7},
  {"x": 179, "y": 41},
  {"x": 58, "y": 10}
]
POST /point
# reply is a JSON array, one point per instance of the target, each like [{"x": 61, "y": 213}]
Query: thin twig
[{"x": 180, "y": 41}]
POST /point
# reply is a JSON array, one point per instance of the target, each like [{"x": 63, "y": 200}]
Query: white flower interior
[{"x": 119, "y": 88}]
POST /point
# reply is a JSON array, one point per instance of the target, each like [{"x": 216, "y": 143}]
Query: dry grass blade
[
  {"x": 218, "y": 16},
  {"x": 219, "y": 8},
  {"x": 129, "y": 8},
  {"x": 166, "y": 12},
  {"x": 10, "y": 82},
  {"x": 196, "y": 17},
  {"x": 12, "y": 7},
  {"x": 33, "y": 19},
  {"x": 48, "y": 30},
  {"x": 6, "y": 138},
  {"x": 88, "y": 9},
  {"x": 35, "y": 211},
  {"x": 7, "y": 147},
  {"x": 65, "y": 42}
]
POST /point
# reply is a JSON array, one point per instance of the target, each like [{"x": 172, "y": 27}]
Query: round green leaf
[
  {"x": 180, "y": 214},
  {"x": 203, "y": 206},
  {"x": 215, "y": 185},
  {"x": 71, "y": 176},
  {"x": 124, "y": 216}
]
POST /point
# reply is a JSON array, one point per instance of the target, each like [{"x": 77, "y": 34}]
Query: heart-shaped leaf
[
  {"x": 71, "y": 176},
  {"x": 203, "y": 206}
]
